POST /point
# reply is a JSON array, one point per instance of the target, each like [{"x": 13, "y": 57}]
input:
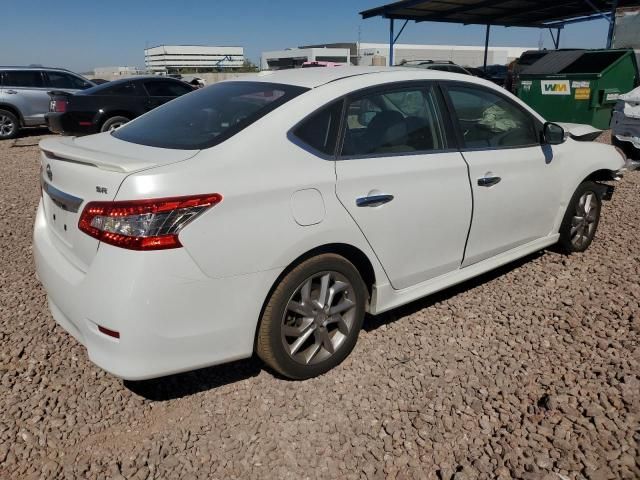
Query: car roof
[
  {"x": 142, "y": 78},
  {"x": 17, "y": 67},
  {"x": 315, "y": 77}
]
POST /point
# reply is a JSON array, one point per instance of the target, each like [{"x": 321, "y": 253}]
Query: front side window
[
  {"x": 207, "y": 116},
  {"x": 392, "y": 122},
  {"x": 488, "y": 120},
  {"x": 320, "y": 130},
  {"x": 163, "y": 88},
  {"x": 22, "y": 78}
]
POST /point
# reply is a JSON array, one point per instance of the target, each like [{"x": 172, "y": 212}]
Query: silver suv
[{"x": 23, "y": 95}]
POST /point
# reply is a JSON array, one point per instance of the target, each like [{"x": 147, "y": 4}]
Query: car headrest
[{"x": 387, "y": 128}]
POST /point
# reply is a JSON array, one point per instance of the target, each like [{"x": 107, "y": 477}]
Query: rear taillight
[
  {"x": 58, "y": 106},
  {"x": 144, "y": 224}
]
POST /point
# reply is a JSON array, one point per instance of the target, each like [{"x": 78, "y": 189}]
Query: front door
[
  {"x": 516, "y": 181},
  {"x": 403, "y": 183}
]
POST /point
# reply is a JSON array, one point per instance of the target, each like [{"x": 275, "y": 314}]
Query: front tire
[
  {"x": 9, "y": 125},
  {"x": 113, "y": 123},
  {"x": 581, "y": 220},
  {"x": 312, "y": 319}
]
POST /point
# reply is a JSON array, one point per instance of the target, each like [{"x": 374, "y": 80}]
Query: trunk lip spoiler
[
  {"x": 65, "y": 149},
  {"x": 62, "y": 199}
]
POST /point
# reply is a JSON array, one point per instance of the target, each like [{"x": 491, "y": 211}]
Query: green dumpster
[{"x": 579, "y": 86}]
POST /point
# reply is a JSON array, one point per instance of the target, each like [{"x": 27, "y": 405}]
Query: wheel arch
[
  {"x": 103, "y": 117},
  {"x": 353, "y": 254},
  {"x": 601, "y": 175},
  {"x": 14, "y": 110}
]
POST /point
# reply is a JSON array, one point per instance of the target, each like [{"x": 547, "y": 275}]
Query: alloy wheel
[
  {"x": 319, "y": 317},
  {"x": 583, "y": 223},
  {"x": 7, "y": 126}
]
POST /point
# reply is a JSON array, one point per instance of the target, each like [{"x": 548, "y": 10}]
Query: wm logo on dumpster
[{"x": 556, "y": 87}]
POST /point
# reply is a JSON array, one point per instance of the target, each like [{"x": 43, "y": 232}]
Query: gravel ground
[{"x": 531, "y": 372}]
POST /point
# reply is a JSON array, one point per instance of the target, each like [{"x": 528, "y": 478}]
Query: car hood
[{"x": 109, "y": 153}]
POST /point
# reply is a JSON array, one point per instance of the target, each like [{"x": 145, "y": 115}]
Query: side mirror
[{"x": 553, "y": 134}]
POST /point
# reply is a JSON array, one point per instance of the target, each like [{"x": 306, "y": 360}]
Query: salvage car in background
[
  {"x": 110, "y": 105},
  {"x": 23, "y": 95},
  {"x": 439, "y": 65},
  {"x": 625, "y": 124},
  {"x": 269, "y": 214}
]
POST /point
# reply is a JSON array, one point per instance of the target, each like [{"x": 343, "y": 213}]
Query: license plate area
[
  {"x": 60, "y": 220},
  {"x": 62, "y": 211}
]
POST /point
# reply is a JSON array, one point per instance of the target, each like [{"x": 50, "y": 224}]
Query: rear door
[
  {"x": 402, "y": 179},
  {"x": 26, "y": 90},
  {"x": 516, "y": 181},
  {"x": 161, "y": 91}
]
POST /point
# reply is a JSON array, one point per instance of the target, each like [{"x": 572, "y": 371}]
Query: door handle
[
  {"x": 489, "y": 181},
  {"x": 373, "y": 200},
  {"x": 11, "y": 92}
]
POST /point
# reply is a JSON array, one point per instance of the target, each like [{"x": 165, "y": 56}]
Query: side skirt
[{"x": 386, "y": 298}]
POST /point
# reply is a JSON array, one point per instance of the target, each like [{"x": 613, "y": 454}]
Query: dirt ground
[{"x": 530, "y": 372}]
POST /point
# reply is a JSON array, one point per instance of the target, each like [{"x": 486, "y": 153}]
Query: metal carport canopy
[{"x": 554, "y": 14}]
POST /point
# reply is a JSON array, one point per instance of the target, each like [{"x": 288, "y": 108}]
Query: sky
[{"x": 81, "y": 35}]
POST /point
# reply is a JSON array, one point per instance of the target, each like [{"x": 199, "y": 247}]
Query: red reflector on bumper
[
  {"x": 106, "y": 331},
  {"x": 84, "y": 124}
]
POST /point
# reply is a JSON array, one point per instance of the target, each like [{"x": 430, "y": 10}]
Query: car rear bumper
[
  {"x": 66, "y": 124},
  {"x": 170, "y": 316}
]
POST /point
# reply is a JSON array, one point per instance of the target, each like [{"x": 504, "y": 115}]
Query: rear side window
[
  {"x": 159, "y": 88},
  {"x": 25, "y": 78},
  {"x": 488, "y": 120},
  {"x": 394, "y": 122},
  {"x": 64, "y": 80},
  {"x": 207, "y": 116},
  {"x": 320, "y": 130}
]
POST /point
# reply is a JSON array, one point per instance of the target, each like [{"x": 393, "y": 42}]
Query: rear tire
[
  {"x": 113, "y": 123},
  {"x": 312, "y": 319},
  {"x": 9, "y": 125},
  {"x": 581, "y": 219}
]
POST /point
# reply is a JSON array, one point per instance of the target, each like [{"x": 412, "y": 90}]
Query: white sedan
[{"x": 267, "y": 215}]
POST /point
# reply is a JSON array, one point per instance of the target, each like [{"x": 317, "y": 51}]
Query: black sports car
[{"x": 107, "y": 106}]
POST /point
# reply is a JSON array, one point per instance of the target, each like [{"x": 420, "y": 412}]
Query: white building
[
  {"x": 472, "y": 56},
  {"x": 199, "y": 58},
  {"x": 466, "y": 55},
  {"x": 295, "y": 57}
]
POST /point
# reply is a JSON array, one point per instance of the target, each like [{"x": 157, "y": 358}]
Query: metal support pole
[
  {"x": 558, "y": 39},
  {"x": 486, "y": 47},
  {"x": 612, "y": 23},
  {"x": 395, "y": 40},
  {"x": 391, "y": 42}
]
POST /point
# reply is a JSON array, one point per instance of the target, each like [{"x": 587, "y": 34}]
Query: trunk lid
[{"x": 76, "y": 171}]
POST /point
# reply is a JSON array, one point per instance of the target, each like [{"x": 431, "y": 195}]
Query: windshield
[{"x": 208, "y": 116}]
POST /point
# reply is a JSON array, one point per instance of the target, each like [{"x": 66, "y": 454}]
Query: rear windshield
[{"x": 206, "y": 117}]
